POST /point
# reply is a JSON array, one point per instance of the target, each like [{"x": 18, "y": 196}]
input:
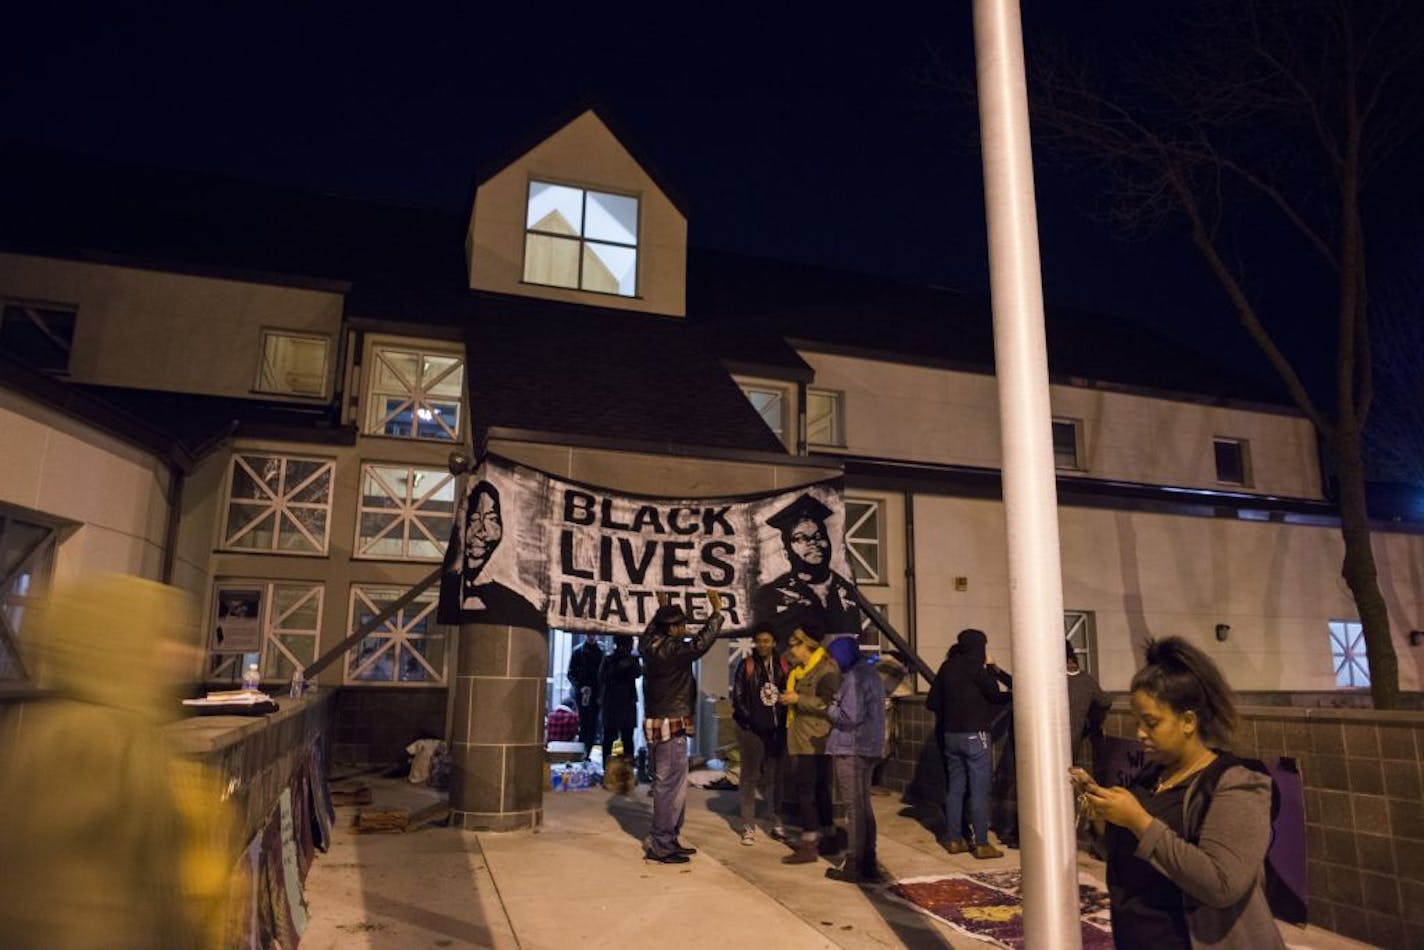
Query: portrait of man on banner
[
  {"x": 471, "y": 589},
  {"x": 812, "y": 587}
]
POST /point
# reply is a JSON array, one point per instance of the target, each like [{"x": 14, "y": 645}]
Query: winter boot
[{"x": 805, "y": 852}]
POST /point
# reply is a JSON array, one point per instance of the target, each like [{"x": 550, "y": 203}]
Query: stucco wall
[
  {"x": 1147, "y": 574},
  {"x": 917, "y": 413},
  {"x": 135, "y": 327},
  {"x": 584, "y": 154}
]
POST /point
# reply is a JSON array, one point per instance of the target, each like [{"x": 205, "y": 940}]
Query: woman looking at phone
[{"x": 1186, "y": 840}]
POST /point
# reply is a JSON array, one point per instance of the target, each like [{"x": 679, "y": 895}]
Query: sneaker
[
  {"x": 957, "y": 846},
  {"x": 985, "y": 852},
  {"x": 778, "y": 832},
  {"x": 748, "y": 836}
]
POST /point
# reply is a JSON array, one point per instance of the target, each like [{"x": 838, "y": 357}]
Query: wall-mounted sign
[{"x": 237, "y": 628}]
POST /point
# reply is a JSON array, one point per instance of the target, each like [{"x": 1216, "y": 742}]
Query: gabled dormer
[{"x": 577, "y": 218}]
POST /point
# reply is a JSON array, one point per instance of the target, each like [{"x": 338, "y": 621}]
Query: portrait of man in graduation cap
[
  {"x": 468, "y": 594},
  {"x": 811, "y": 588}
]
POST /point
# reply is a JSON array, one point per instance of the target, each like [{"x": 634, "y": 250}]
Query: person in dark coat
[
  {"x": 1088, "y": 706},
  {"x": 618, "y": 696},
  {"x": 964, "y": 698},
  {"x": 584, "y": 662},
  {"x": 757, "y": 684}
]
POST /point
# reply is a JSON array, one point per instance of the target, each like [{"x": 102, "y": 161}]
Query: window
[
  {"x": 1347, "y": 649},
  {"x": 293, "y": 363},
  {"x": 27, "y": 549},
  {"x": 405, "y": 513},
  {"x": 770, "y": 404},
  {"x": 407, "y": 647},
  {"x": 415, "y": 394},
  {"x": 279, "y": 503},
  {"x": 1231, "y": 461},
  {"x": 863, "y": 539},
  {"x": 39, "y": 335},
  {"x": 823, "y": 417},
  {"x": 587, "y": 240},
  {"x": 1080, "y": 630},
  {"x": 1065, "y": 443},
  {"x": 871, "y": 639},
  {"x": 272, "y": 624}
]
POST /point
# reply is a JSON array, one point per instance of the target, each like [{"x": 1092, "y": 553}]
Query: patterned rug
[{"x": 988, "y": 905}]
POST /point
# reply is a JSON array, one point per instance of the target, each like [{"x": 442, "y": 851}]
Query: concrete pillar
[{"x": 497, "y": 734}]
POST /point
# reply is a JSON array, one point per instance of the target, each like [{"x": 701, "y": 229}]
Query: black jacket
[
  {"x": 618, "y": 690},
  {"x": 965, "y": 692},
  {"x": 669, "y": 688},
  {"x": 584, "y": 662},
  {"x": 748, "y": 709}
]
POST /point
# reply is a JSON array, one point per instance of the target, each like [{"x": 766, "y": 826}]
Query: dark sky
[{"x": 788, "y": 136}]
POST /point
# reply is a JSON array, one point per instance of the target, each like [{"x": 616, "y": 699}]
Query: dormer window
[{"x": 581, "y": 239}]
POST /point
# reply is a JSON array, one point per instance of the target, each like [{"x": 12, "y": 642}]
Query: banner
[{"x": 533, "y": 550}]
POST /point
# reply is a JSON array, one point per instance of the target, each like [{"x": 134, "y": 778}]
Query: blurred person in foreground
[
  {"x": 1186, "y": 840},
  {"x": 855, "y": 744},
  {"x": 107, "y": 837}
]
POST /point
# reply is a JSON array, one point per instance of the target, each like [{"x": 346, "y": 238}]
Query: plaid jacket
[
  {"x": 562, "y": 725},
  {"x": 661, "y": 730}
]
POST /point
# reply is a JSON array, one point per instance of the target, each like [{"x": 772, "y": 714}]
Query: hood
[
  {"x": 844, "y": 650},
  {"x": 972, "y": 646},
  {"x": 115, "y": 641}
]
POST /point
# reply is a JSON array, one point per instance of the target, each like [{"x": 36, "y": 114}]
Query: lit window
[
  {"x": 293, "y": 363},
  {"x": 405, "y": 513},
  {"x": 37, "y": 334},
  {"x": 823, "y": 417},
  {"x": 863, "y": 541},
  {"x": 26, "y": 559},
  {"x": 586, "y": 240},
  {"x": 1065, "y": 443},
  {"x": 279, "y": 503},
  {"x": 415, "y": 394},
  {"x": 407, "y": 647},
  {"x": 272, "y": 624},
  {"x": 1230, "y": 461},
  {"x": 1347, "y": 650},
  {"x": 1079, "y": 629},
  {"x": 770, "y": 404}
]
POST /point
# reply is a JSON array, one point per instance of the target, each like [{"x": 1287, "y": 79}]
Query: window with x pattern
[
  {"x": 405, "y": 513},
  {"x": 415, "y": 393},
  {"x": 27, "y": 547},
  {"x": 1347, "y": 651},
  {"x": 406, "y": 648},
  {"x": 289, "y": 615},
  {"x": 279, "y": 503}
]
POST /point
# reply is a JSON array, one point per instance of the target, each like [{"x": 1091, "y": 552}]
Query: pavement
[{"x": 580, "y": 881}]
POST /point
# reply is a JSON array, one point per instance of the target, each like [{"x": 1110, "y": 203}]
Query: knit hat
[{"x": 844, "y": 650}]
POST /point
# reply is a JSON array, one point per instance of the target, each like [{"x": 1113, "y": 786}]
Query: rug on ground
[{"x": 988, "y": 905}]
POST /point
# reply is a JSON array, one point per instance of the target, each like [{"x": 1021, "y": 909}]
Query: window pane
[
  {"x": 444, "y": 376},
  {"x": 555, "y": 209},
  {"x": 383, "y": 487},
  {"x": 612, "y": 218},
  {"x": 1347, "y": 650},
  {"x": 396, "y": 371},
  {"x": 1065, "y": 444},
  {"x": 309, "y": 482},
  {"x": 40, "y": 337},
  {"x": 293, "y": 538},
  {"x": 250, "y": 527},
  {"x": 19, "y": 538},
  {"x": 823, "y": 417},
  {"x": 550, "y": 260},
  {"x": 769, "y": 404},
  {"x": 1230, "y": 468},
  {"x": 293, "y": 364},
  {"x": 256, "y": 477},
  {"x": 610, "y": 269}
]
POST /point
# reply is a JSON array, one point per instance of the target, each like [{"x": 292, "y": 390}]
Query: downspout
[{"x": 911, "y": 599}]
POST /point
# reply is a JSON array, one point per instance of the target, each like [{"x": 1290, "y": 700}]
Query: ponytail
[{"x": 1184, "y": 678}]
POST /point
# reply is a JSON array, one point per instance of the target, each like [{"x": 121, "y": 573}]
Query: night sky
[{"x": 788, "y": 136}]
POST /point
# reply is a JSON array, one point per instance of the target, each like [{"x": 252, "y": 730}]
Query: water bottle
[
  {"x": 298, "y": 684},
  {"x": 252, "y": 677}
]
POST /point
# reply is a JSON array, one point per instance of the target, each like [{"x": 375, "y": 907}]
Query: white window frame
[
  {"x": 271, "y": 332},
  {"x": 407, "y": 509},
  {"x": 1080, "y": 627},
  {"x": 1348, "y": 655},
  {"x": 228, "y": 667},
  {"x": 396, "y": 630},
  {"x": 880, "y": 643},
  {"x": 417, "y": 395},
  {"x": 278, "y": 504},
  {"x": 874, "y": 573},
  {"x": 582, "y": 240},
  {"x": 837, "y": 400},
  {"x": 1243, "y": 446},
  {"x": 1077, "y": 464},
  {"x": 783, "y": 393}
]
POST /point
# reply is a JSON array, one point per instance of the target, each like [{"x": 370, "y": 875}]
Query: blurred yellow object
[{"x": 108, "y": 838}]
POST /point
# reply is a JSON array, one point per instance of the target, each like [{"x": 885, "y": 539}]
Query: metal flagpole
[{"x": 1050, "y": 885}]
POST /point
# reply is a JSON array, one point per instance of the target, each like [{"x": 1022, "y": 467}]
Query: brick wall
[{"x": 1363, "y": 774}]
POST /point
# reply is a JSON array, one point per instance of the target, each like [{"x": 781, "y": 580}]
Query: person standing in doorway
[
  {"x": 669, "y": 705},
  {"x": 584, "y": 663},
  {"x": 618, "y": 697},
  {"x": 761, "y": 730},
  {"x": 1088, "y": 707},
  {"x": 855, "y": 744},
  {"x": 963, "y": 697},
  {"x": 809, "y": 690}
]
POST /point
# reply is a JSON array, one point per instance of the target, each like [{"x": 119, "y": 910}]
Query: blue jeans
[
  {"x": 966, "y": 756},
  {"x": 669, "y": 794}
]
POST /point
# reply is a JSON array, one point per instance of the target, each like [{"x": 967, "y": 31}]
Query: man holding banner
[{"x": 669, "y": 707}]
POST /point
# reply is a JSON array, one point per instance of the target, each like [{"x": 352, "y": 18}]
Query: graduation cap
[{"x": 805, "y": 508}]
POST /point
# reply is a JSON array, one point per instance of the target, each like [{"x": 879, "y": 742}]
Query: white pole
[{"x": 1049, "y": 850}]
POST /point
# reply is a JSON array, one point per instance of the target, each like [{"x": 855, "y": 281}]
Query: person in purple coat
[{"x": 856, "y": 743}]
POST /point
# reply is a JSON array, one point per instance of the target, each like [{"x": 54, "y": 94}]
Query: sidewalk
[{"x": 580, "y": 882}]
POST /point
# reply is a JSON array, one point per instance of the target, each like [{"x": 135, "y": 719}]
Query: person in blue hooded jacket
[{"x": 856, "y": 743}]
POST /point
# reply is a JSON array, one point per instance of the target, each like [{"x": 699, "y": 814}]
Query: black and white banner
[{"x": 530, "y": 549}]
